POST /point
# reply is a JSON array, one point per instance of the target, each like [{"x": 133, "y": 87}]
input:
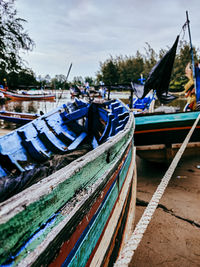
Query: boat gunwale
[
  {"x": 18, "y": 203},
  {"x": 10, "y": 207},
  {"x": 29, "y": 260},
  {"x": 151, "y": 118},
  {"x": 17, "y": 96}
]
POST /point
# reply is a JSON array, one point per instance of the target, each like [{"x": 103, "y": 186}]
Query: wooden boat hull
[
  {"x": 17, "y": 117},
  {"x": 145, "y": 105},
  {"x": 158, "y": 137},
  {"x": 28, "y": 97},
  {"x": 77, "y": 215}
]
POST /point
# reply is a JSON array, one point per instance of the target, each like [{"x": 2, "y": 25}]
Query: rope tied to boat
[{"x": 131, "y": 245}]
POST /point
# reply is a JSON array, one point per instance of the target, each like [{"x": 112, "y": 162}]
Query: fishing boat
[
  {"x": 153, "y": 133},
  {"x": 81, "y": 213},
  {"x": 26, "y": 96},
  {"x": 75, "y": 92},
  {"x": 144, "y": 105},
  {"x": 17, "y": 117},
  {"x": 84, "y": 92},
  {"x": 137, "y": 102},
  {"x": 159, "y": 136}
]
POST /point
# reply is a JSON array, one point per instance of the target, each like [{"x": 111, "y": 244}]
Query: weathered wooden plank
[
  {"x": 113, "y": 222},
  {"x": 29, "y": 209},
  {"x": 162, "y": 153},
  {"x": 97, "y": 198},
  {"x": 102, "y": 216}
]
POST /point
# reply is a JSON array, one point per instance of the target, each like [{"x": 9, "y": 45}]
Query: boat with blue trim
[
  {"x": 159, "y": 136},
  {"x": 144, "y": 105},
  {"x": 80, "y": 213}
]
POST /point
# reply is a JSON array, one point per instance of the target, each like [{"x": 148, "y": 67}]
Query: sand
[{"x": 173, "y": 235}]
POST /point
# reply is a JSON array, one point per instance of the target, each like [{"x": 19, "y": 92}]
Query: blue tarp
[{"x": 197, "y": 74}]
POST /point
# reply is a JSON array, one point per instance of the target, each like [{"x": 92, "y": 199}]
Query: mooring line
[{"x": 131, "y": 245}]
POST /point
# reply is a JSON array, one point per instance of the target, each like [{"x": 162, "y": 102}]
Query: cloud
[{"x": 86, "y": 32}]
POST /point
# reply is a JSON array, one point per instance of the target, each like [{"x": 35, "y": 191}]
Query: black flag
[{"x": 159, "y": 77}]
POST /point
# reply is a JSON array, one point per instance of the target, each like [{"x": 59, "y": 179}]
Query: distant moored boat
[{"x": 25, "y": 96}]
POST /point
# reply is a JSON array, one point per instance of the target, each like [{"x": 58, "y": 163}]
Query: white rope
[{"x": 131, "y": 245}]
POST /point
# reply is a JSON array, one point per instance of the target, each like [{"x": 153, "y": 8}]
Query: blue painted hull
[
  {"x": 76, "y": 216},
  {"x": 58, "y": 133},
  {"x": 144, "y": 104}
]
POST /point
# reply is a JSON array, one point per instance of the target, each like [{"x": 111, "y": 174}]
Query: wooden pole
[
  {"x": 131, "y": 98},
  {"x": 65, "y": 82},
  {"x": 108, "y": 92}
]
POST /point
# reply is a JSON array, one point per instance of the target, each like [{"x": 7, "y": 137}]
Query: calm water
[{"x": 36, "y": 106}]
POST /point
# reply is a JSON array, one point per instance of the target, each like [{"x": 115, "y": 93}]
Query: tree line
[
  {"x": 115, "y": 70},
  {"x": 127, "y": 69}
]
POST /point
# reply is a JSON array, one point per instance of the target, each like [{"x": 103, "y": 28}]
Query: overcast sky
[{"x": 86, "y": 32}]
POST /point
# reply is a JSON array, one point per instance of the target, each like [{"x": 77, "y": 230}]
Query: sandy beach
[{"x": 173, "y": 235}]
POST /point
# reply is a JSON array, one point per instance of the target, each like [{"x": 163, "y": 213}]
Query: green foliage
[
  {"x": 109, "y": 73},
  {"x": 22, "y": 79},
  {"x": 58, "y": 82},
  {"x": 90, "y": 80},
  {"x": 13, "y": 37},
  {"x": 126, "y": 69}
]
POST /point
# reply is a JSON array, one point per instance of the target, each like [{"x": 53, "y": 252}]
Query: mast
[
  {"x": 191, "y": 50},
  {"x": 65, "y": 82}
]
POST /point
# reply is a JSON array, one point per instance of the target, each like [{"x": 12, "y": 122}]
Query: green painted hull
[{"x": 35, "y": 223}]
